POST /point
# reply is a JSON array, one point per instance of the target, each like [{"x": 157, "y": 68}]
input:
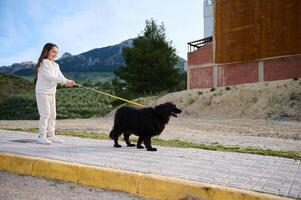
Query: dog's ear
[{"x": 163, "y": 109}]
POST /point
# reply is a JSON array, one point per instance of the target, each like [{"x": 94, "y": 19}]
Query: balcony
[{"x": 194, "y": 45}]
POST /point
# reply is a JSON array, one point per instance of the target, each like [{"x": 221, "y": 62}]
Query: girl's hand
[{"x": 70, "y": 83}]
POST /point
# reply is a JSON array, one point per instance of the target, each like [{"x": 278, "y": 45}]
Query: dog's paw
[
  {"x": 131, "y": 145},
  {"x": 152, "y": 149},
  {"x": 140, "y": 147},
  {"x": 117, "y": 145}
]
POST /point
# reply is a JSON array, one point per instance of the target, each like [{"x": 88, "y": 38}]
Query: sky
[{"x": 77, "y": 26}]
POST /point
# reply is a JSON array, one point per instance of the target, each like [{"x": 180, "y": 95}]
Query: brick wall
[
  {"x": 201, "y": 56},
  {"x": 233, "y": 74},
  {"x": 201, "y": 74},
  {"x": 201, "y": 77},
  {"x": 282, "y": 68}
]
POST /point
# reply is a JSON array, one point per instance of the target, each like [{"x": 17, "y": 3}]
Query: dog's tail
[
  {"x": 113, "y": 133},
  {"x": 117, "y": 130}
]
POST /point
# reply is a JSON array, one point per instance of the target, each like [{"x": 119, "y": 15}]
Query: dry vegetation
[{"x": 277, "y": 100}]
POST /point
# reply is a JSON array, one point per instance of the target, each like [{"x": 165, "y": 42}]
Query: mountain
[
  {"x": 23, "y": 68},
  {"x": 106, "y": 59},
  {"x": 181, "y": 64},
  {"x": 66, "y": 55}
]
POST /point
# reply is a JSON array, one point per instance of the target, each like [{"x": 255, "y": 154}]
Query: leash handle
[{"x": 113, "y": 96}]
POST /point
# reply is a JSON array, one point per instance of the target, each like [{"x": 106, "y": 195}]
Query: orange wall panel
[{"x": 253, "y": 29}]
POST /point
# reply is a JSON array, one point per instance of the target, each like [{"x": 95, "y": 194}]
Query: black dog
[{"x": 145, "y": 123}]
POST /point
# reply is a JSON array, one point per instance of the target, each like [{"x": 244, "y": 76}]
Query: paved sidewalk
[{"x": 280, "y": 176}]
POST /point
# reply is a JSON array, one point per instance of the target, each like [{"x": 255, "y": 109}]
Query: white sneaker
[
  {"x": 43, "y": 140},
  {"x": 55, "y": 139}
]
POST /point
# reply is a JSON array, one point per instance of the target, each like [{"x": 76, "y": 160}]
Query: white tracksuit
[{"x": 49, "y": 75}]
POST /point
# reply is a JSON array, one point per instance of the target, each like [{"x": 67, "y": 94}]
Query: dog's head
[{"x": 168, "y": 109}]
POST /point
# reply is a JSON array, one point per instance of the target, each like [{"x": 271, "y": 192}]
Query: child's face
[{"x": 52, "y": 53}]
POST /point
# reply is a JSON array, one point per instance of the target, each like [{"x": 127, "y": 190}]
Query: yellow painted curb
[{"x": 147, "y": 185}]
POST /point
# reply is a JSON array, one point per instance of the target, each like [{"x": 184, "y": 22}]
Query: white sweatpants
[{"x": 47, "y": 111}]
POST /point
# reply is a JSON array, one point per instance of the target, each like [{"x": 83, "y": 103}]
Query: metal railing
[{"x": 194, "y": 45}]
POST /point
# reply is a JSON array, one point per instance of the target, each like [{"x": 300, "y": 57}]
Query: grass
[
  {"x": 17, "y": 98},
  {"x": 191, "y": 100},
  {"x": 70, "y": 103},
  {"x": 90, "y": 77},
  {"x": 81, "y": 77},
  {"x": 175, "y": 143},
  {"x": 10, "y": 85}
]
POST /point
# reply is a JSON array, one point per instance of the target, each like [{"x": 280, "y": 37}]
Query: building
[
  {"x": 252, "y": 41},
  {"x": 208, "y": 17}
]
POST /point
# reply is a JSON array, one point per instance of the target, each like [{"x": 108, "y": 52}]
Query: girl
[{"x": 48, "y": 75}]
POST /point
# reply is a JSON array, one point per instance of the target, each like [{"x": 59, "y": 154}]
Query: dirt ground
[{"x": 278, "y": 135}]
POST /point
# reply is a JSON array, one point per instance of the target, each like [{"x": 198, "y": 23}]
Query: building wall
[
  {"x": 201, "y": 77},
  {"x": 254, "y": 40},
  {"x": 234, "y": 74},
  {"x": 254, "y": 29},
  {"x": 282, "y": 68},
  {"x": 208, "y": 18},
  {"x": 203, "y": 73},
  {"x": 201, "y": 56}
]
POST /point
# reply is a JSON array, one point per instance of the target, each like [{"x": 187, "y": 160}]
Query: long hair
[{"x": 47, "y": 47}]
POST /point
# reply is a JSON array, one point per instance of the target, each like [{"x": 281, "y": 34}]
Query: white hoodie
[{"x": 49, "y": 75}]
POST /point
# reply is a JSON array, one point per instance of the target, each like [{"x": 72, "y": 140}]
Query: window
[{"x": 209, "y": 2}]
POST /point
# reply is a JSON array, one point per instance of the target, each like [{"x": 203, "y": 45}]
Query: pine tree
[{"x": 150, "y": 63}]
